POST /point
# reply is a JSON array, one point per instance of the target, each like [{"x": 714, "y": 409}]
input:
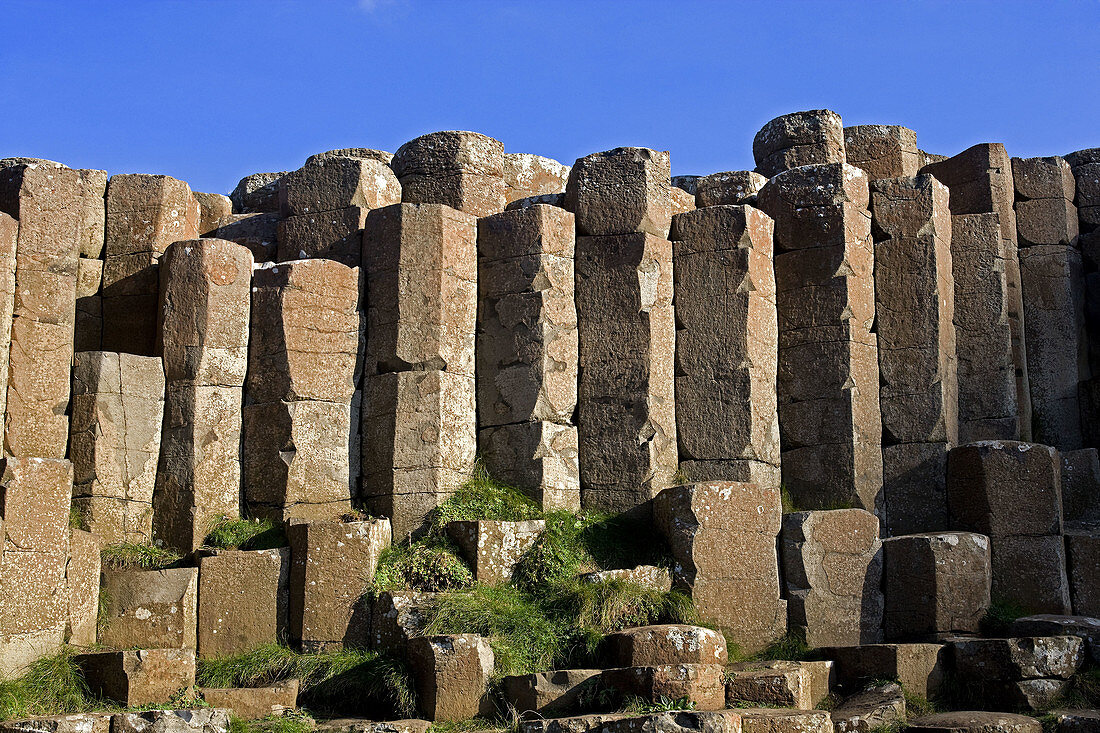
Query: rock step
[
  {"x": 975, "y": 721},
  {"x": 203, "y": 720},
  {"x": 744, "y": 720}
]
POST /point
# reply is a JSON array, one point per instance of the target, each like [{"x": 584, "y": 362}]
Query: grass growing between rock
[
  {"x": 999, "y": 617},
  {"x": 296, "y": 723},
  {"x": 133, "y": 555},
  {"x": 245, "y": 534},
  {"x": 51, "y": 686}
]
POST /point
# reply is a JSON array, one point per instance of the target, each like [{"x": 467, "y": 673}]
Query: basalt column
[
  {"x": 726, "y": 356},
  {"x": 627, "y": 412},
  {"x": 205, "y": 300},
  {"x": 463, "y": 170},
  {"x": 527, "y": 353},
  {"x": 301, "y": 415},
  {"x": 828, "y": 384},
  {"x": 918, "y": 384},
  {"x": 419, "y": 428}
]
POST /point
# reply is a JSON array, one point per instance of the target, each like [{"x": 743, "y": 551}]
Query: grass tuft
[
  {"x": 917, "y": 706},
  {"x": 125, "y": 555},
  {"x": 430, "y": 564},
  {"x": 245, "y": 534},
  {"x": 483, "y": 497},
  {"x": 329, "y": 680},
  {"x": 51, "y": 686},
  {"x": 999, "y": 617},
  {"x": 291, "y": 723},
  {"x": 791, "y": 647},
  {"x": 789, "y": 506}
]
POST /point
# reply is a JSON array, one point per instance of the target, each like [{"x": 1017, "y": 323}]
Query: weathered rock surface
[
  {"x": 1021, "y": 658},
  {"x": 259, "y": 232},
  {"x": 133, "y": 678},
  {"x": 329, "y": 184},
  {"x": 253, "y": 703},
  {"x": 1083, "y": 562},
  {"x": 779, "y": 720},
  {"x": 494, "y": 548},
  {"x": 82, "y": 585},
  {"x": 396, "y": 617},
  {"x": 202, "y": 720},
  {"x": 213, "y": 207},
  {"x": 647, "y": 576},
  {"x": 799, "y": 685},
  {"x": 728, "y": 188},
  {"x": 920, "y": 668},
  {"x": 451, "y": 674},
  {"x": 799, "y": 139},
  {"x": 257, "y": 194},
  {"x": 964, "y": 721},
  {"x": 76, "y": 723},
  {"x": 328, "y": 235},
  {"x": 150, "y": 609},
  {"x": 702, "y": 685},
  {"x": 651, "y": 646},
  {"x": 527, "y": 175},
  {"x": 1045, "y": 624},
  {"x": 9, "y": 236},
  {"x": 873, "y": 708},
  {"x": 539, "y": 454},
  {"x": 621, "y": 191},
  {"x": 243, "y": 597},
  {"x": 559, "y": 692},
  {"x": 462, "y": 170},
  {"x": 883, "y": 151},
  {"x": 1080, "y": 485}
]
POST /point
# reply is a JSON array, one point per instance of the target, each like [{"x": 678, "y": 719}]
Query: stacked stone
[
  {"x": 1012, "y": 493},
  {"x": 726, "y": 418},
  {"x": 34, "y": 551},
  {"x": 828, "y": 383},
  {"x": 205, "y": 295},
  {"x": 1054, "y": 298},
  {"x": 301, "y": 417},
  {"x": 527, "y": 175},
  {"x": 527, "y": 353},
  {"x": 882, "y": 151},
  {"x": 145, "y": 214},
  {"x": 627, "y": 412},
  {"x": 118, "y": 408},
  {"x": 419, "y": 423},
  {"x": 918, "y": 382},
  {"x": 324, "y": 205},
  {"x": 980, "y": 182},
  {"x": 813, "y": 137},
  {"x": 731, "y": 187},
  {"x": 9, "y": 236},
  {"x": 463, "y": 170},
  {"x": 88, "y": 335},
  {"x": 1085, "y": 166}
]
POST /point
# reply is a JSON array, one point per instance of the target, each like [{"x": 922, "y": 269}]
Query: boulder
[
  {"x": 326, "y": 235},
  {"x": 1083, "y": 627},
  {"x": 883, "y": 151},
  {"x": 75, "y": 723},
  {"x": 702, "y": 685},
  {"x": 799, "y": 685},
  {"x": 213, "y": 207},
  {"x": 1020, "y": 658},
  {"x": 463, "y": 170},
  {"x": 779, "y": 720},
  {"x": 621, "y": 191},
  {"x": 967, "y": 721},
  {"x": 203, "y": 720},
  {"x": 728, "y": 188},
  {"x": 799, "y": 139},
  {"x": 329, "y": 184},
  {"x": 257, "y": 194},
  {"x": 549, "y": 694},
  {"x": 874, "y": 708},
  {"x": 647, "y": 576},
  {"x": 528, "y": 175},
  {"x": 258, "y": 232},
  {"x": 680, "y": 721},
  {"x": 253, "y": 703}
]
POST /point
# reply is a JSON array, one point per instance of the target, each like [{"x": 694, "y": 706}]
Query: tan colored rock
[
  {"x": 463, "y": 170},
  {"x": 965, "y": 721},
  {"x": 726, "y": 339},
  {"x": 540, "y": 457},
  {"x": 1045, "y": 624},
  {"x": 451, "y": 674},
  {"x": 682, "y": 201},
  {"x": 723, "y": 539},
  {"x": 799, "y": 139},
  {"x": 988, "y": 398},
  {"x": 626, "y": 407},
  {"x": 665, "y": 644},
  {"x": 213, "y": 207},
  {"x": 421, "y": 268},
  {"x": 419, "y": 443},
  {"x": 301, "y": 416},
  {"x": 728, "y": 188},
  {"x": 647, "y": 576},
  {"x": 117, "y": 411},
  {"x": 328, "y": 184},
  {"x": 9, "y": 236},
  {"x": 149, "y": 609},
  {"x": 94, "y": 214},
  {"x": 779, "y": 720},
  {"x": 702, "y": 685},
  {"x": 327, "y": 235},
  {"x": 396, "y": 617},
  {"x": 799, "y": 685},
  {"x": 88, "y": 328},
  {"x": 883, "y": 151},
  {"x": 494, "y": 548},
  {"x": 935, "y": 583},
  {"x": 20, "y": 650},
  {"x": 259, "y": 232},
  {"x": 257, "y": 193},
  {"x": 621, "y": 191},
  {"x": 206, "y": 292},
  {"x": 1043, "y": 178},
  {"x": 82, "y": 585},
  {"x": 333, "y": 564},
  {"x": 551, "y": 694},
  {"x": 254, "y": 703},
  {"x": 1054, "y": 323},
  {"x": 76, "y": 723},
  {"x": 202, "y": 720},
  {"x": 920, "y": 668},
  {"x": 137, "y": 678},
  {"x": 145, "y": 214},
  {"x": 242, "y": 601},
  {"x": 873, "y": 708},
  {"x": 528, "y": 175},
  {"x": 832, "y": 567}
]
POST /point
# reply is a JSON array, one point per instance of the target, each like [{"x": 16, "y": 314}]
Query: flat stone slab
[{"x": 976, "y": 721}]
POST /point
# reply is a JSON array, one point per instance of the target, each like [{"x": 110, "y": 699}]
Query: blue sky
[{"x": 212, "y": 90}]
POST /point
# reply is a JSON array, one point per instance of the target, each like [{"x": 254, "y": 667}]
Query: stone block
[
  {"x": 242, "y": 600},
  {"x": 528, "y": 175},
  {"x": 726, "y": 358},
  {"x": 149, "y": 609},
  {"x": 33, "y": 600},
  {"x": 883, "y": 151},
  {"x": 816, "y": 205},
  {"x": 779, "y": 720},
  {"x": 647, "y": 576},
  {"x": 396, "y": 617},
  {"x": 421, "y": 266},
  {"x": 548, "y": 199},
  {"x": 1057, "y": 350},
  {"x": 723, "y": 539},
  {"x": 1044, "y": 624},
  {"x": 328, "y": 184},
  {"x": 874, "y": 708},
  {"x": 1005, "y": 488},
  {"x": 368, "y": 153},
  {"x": 494, "y": 548},
  {"x": 117, "y": 413},
  {"x": 257, "y": 193},
  {"x": 702, "y": 685},
  {"x": 451, "y": 674},
  {"x": 682, "y": 201},
  {"x": 213, "y": 207},
  {"x": 832, "y": 567},
  {"x": 362, "y": 725},
  {"x": 82, "y": 586},
  {"x": 1087, "y": 188},
  {"x": 728, "y": 188},
  {"x": 681, "y": 721},
  {"x": 93, "y": 212},
  {"x": 257, "y": 232},
  {"x": 1031, "y": 571},
  {"x": 9, "y": 236},
  {"x": 621, "y": 191},
  {"x": 1043, "y": 178},
  {"x": 76, "y": 723},
  {"x": 968, "y": 721},
  {"x": 254, "y": 703},
  {"x": 1083, "y": 558},
  {"x": 1021, "y": 658},
  {"x": 799, "y": 685},
  {"x": 540, "y": 458},
  {"x": 1077, "y": 721},
  {"x": 914, "y": 310},
  {"x": 19, "y": 651},
  {"x": 914, "y": 487},
  {"x": 920, "y": 668},
  {"x": 665, "y": 644},
  {"x": 1046, "y": 222},
  {"x": 988, "y": 394},
  {"x": 1080, "y": 485},
  {"x": 688, "y": 184},
  {"x": 202, "y": 720},
  {"x": 332, "y": 565},
  {"x": 419, "y": 443},
  {"x": 551, "y": 694},
  {"x": 588, "y": 723},
  {"x": 626, "y": 408},
  {"x": 799, "y": 139},
  {"x": 327, "y": 235},
  {"x": 462, "y": 170},
  {"x": 34, "y": 498},
  {"x": 935, "y": 583},
  {"x": 135, "y": 678}
]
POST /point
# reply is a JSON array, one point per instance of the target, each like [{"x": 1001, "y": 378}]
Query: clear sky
[{"x": 212, "y": 90}]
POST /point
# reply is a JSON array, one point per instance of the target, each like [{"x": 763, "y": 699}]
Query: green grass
[
  {"x": 138, "y": 555},
  {"x": 999, "y": 617},
  {"x": 1082, "y": 693},
  {"x": 482, "y": 497},
  {"x": 917, "y": 706},
  {"x": 51, "y": 686},
  {"x": 293, "y": 723},
  {"x": 641, "y": 706},
  {"x": 245, "y": 534},
  {"x": 791, "y": 647},
  {"x": 430, "y": 564},
  {"x": 789, "y": 506},
  {"x": 330, "y": 681}
]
